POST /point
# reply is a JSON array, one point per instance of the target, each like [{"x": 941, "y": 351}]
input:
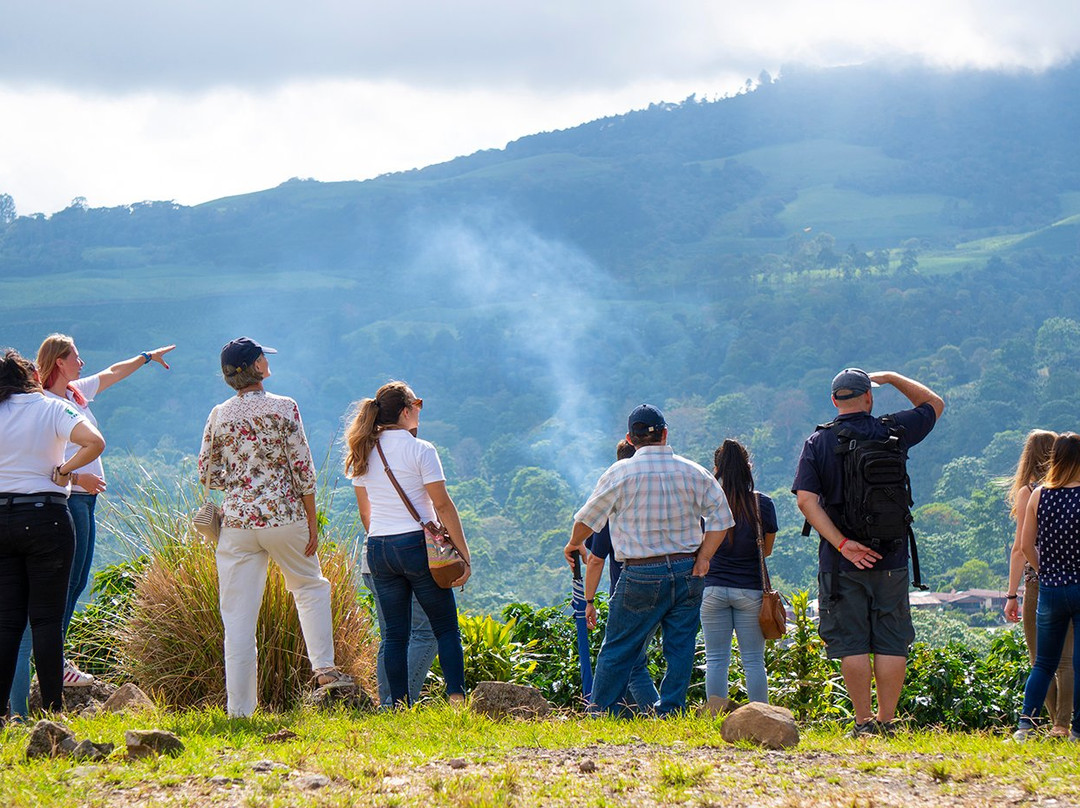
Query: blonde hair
[
  {"x": 1064, "y": 461},
  {"x": 1033, "y": 464},
  {"x": 53, "y": 348},
  {"x": 371, "y": 416}
]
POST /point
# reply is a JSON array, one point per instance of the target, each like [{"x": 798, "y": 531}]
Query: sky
[{"x": 123, "y": 101}]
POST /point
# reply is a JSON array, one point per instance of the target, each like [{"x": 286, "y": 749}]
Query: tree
[
  {"x": 974, "y": 574},
  {"x": 7, "y": 209}
]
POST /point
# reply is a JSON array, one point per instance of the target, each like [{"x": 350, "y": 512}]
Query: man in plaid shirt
[{"x": 653, "y": 503}]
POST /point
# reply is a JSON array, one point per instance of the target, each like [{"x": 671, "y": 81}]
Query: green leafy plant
[{"x": 493, "y": 653}]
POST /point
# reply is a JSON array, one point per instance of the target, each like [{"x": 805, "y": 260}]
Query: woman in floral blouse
[{"x": 254, "y": 449}]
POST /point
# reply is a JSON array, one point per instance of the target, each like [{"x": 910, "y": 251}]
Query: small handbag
[
  {"x": 772, "y": 618},
  {"x": 207, "y": 519},
  {"x": 445, "y": 563}
]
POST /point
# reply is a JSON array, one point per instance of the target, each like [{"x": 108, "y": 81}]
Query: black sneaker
[
  {"x": 870, "y": 728},
  {"x": 886, "y": 728}
]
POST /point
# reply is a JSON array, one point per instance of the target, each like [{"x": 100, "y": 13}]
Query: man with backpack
[{"x": 852, "y": 486}]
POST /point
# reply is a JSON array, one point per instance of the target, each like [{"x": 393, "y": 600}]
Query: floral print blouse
[{"x": 256, "y": 452}]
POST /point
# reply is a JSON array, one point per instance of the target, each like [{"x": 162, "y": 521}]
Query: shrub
[
  {"x": 493, "y": 652},
  {"x": 93, "y": 638},
  {"x": 172, "y": 643}
]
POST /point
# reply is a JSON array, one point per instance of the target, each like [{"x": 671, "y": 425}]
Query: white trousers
[{"x": 242, "y": 558}]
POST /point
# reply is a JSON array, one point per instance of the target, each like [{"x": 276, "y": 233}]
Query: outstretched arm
[
  {"x": 121, "y": 370},
  {"x": 914, "y": 391}
]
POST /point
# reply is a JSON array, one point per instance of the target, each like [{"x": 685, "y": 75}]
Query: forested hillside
[{"x": 719, "y": 258}]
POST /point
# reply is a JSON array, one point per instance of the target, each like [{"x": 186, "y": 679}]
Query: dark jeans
[
  {"x": 1059, "y": 608},
  {"x": 399, "y": 568},
  {"x": 36, "y": 546}
]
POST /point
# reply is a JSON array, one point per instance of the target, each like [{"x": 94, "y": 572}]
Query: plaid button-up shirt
[{"x": 654, "y": 503}]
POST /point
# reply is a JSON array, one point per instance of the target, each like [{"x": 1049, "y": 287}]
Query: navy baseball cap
[
  {"x": 850, "y": 383},
  {"x": 240, "y": 354},
  {"x": 645, "y": 420}
]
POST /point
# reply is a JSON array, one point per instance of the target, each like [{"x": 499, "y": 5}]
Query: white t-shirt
[
  {"x": 415, "y": 463},
  {"x": 33, "y": 432},
  {"x": 88, "y": 387}
]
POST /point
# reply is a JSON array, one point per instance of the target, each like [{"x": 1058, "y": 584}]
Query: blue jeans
[
  {"x": 81, "y": 508},
  {"x": 1059, "y": 607},
  {"x": 422, "y": 649},
  {"x": 648, "y": 595},
  {"x": 724, "y": 610},
  {"x": 641, "y": 689},
  {"x": 399, "y": 570}
]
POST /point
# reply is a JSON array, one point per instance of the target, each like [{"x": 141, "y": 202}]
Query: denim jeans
[
  {"x": 422, "y": 649},
  {"x": 727, "y": 609},
  {"x": 1059, "y": 607},
  {"x": 36, "y": 544},
  {"x": 81, "y": 508},
  {"x": 648, "y": 595},
  {"x": 640, "y": 689},
  {"x": 399, "y": 569}
]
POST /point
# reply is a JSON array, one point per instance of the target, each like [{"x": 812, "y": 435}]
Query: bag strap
[
  {"x": 766, "y": 584},
  {"x": 397, "y": 487},
  {"x": 210, "y": 455}
]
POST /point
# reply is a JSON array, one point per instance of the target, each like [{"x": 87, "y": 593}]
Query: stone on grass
[
  {"x": 587, "y": 766},
  {"x": 92, "y": 708},
  {"x": 50, "y": 739},
  {"x": 268, "y": 766},
  {"x": 75, "y": 698},
  {"x": 312, "y": 782},
  {"x": 457, "y": 763},
  {"x": 762, "y": 724},
  {"x": 88, "y": 750},
  {"x": 280, "y": 736},
  {"x": 144, "y": 742},
  {"x": 349, "y": 696},
  {"x": 502, "y": 699},
  {"x": 128, "y": 698}
]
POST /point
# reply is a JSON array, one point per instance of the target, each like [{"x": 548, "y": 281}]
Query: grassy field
[{"x": 437, "y": 756}]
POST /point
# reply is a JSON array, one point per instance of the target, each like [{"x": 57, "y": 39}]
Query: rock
[
  {"x": 158, "y": 741},
  {"x": 75, "y": 698},
  {"x": 280, "y": 736},
  {"x": 763, "y": 724},
  {"x": 312, "y": 782},
  {"x": 587, "y": 766},
  {"x": 501, "y": 699},
  {"x": 128, "y": 698},
  {"x": 91, "y": 709},
  {"x": 88, "y": 750},
  {"x": 269, "y": 766},
  {"x": 457, "y": 763},
  {"x": 345, "y": 695},
  {"x": 49, "y": 739},
  {"x": 717, "y": 705},
  {"x": 222, "y": 780}
]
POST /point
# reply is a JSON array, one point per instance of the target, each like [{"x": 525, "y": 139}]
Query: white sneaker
[{"x": 73, "y": 677}]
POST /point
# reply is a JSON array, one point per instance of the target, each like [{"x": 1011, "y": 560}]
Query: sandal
[{"x": 331, "y": 677}]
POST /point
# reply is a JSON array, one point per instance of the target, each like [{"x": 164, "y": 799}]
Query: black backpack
[{"x": 876, "y": 510}]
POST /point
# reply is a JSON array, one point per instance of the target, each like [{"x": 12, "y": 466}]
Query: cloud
[{"x": 129, "y": 46}]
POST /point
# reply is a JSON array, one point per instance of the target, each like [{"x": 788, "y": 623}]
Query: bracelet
[
  {"x": 590, "y": 600},
  {"x": 840, "y": 546},
  {"x": 1010, "y": 597},
  {"x": 145, "y": 356}
]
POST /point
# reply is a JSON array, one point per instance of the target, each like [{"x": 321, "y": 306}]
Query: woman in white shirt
[
  {"x": 36, "y": 533},
  {"x": 397, "y": 552}
]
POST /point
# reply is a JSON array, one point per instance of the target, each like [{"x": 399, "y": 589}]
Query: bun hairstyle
[
  {"x": 17, "y": 375},
  {"x": 53, "y": 348},
  {"x": 733, "y": 470},
  {"x": 371, "y": 417}
]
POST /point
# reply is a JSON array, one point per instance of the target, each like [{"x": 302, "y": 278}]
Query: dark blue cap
[
  {"x": 850, "y": 383},
  {"x": 241, "y": 353},
  {"x": 645, "y": 420}
]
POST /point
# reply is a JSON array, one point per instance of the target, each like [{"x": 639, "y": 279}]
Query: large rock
[
  {"x": 145, "y": 742},
  {"x": 75, "y": 698},
  {"x": 128, "y": 698},
  {"x": 50, "y": 739},
  {"x": 502, "y": 699},
  {"x": 762, "y": 724},
  {"x": 88, "y": 750}
]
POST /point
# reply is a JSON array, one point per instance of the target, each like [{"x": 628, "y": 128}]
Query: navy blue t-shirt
[
  {"x": 736, "y": 563},
  {"x": 599, "y": 544},
  {"x": 820, "y": 470}
]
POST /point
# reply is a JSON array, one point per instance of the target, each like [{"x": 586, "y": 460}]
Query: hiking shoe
[
  {"x": 1059, "y": 732},
  {"x": 1074, "y": 736},
  {"x": 886, "y": 728},
  {"x": 332, "y": 677},
  {"x": 73, "y": 677},
  {"x": 868, "y": 729},
  {"x": 1025, "y": 727}
]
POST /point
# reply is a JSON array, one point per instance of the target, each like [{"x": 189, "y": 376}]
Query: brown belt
[{"x": 659, "y": 559}]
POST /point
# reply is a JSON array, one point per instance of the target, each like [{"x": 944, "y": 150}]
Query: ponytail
[
  {"x": 372, "y": 416},
  {"x": 16, "y": 375}
]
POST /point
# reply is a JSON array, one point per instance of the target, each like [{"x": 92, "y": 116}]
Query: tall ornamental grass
[{"x": 173, "y": 641}]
